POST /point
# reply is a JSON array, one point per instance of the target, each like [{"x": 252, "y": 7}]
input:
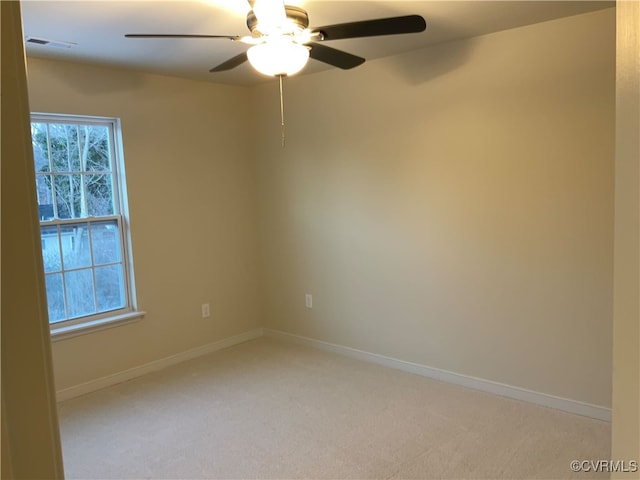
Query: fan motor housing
[{"x": 297, "y": 15}]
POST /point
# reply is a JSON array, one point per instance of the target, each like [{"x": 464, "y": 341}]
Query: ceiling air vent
[{"x": 49, "y": 43}]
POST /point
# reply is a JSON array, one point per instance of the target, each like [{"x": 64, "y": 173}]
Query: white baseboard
[
  {"x": 530, "y": 396},
  {"x": 543, "y": 399},
  {"x": 154, "y": 366}
]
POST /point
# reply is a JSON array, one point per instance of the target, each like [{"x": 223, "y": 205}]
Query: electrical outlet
[
  {"x": 308, "y": 300},
  {"x": 206, "y": 312}
]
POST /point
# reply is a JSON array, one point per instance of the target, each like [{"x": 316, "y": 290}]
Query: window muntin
[{"x": 84, "y": 232}]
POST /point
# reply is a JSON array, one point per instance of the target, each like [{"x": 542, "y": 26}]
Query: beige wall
[
  {"x": 453, "y": 207},
  {"x": 191, "y": 200},
  {"x": 626, "y": 322}
]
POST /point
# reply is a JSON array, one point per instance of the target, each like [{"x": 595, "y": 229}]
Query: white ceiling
[{"x": 98, "y": 28}]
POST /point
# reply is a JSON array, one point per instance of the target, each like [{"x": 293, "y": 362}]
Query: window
[{"x": 83, "y": 222}]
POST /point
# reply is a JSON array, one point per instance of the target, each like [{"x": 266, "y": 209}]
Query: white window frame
[{"x": 128, "y": 313}]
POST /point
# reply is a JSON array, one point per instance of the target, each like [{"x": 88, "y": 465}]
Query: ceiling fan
[{"x": 282, "y": 42}]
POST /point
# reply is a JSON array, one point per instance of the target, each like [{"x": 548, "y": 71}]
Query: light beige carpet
[{"x": 266, "y": 409}]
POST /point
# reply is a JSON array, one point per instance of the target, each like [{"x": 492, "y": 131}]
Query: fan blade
[
  {"x": 334, "y": 57},
  {"x": 270, "y": 13},
  {"x": 372, "y": 28},
  {"x": 170, "y": 35},
  {"x": 231, "y": 63}
]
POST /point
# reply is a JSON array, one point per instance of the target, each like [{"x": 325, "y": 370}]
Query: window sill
[{"x": 62, "y": 333}]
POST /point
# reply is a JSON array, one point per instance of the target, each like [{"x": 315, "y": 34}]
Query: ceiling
[{"x": 97, "y": 28}]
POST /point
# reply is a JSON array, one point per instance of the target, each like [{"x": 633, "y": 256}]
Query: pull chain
[{"x": 281, "y": 112}]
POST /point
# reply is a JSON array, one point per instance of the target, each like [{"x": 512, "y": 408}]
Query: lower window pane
[
  {"x": 55, "y": 297},
  {"x": 75, "y": 246},
  {"x": 105, "y": 239},
  {"x": 50, "y": 249},
  {"x": 80, "y": 300},
  {"x": 109, "y": 291}
]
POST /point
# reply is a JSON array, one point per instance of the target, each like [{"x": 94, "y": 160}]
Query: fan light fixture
[{"x": 278, "y": 56}]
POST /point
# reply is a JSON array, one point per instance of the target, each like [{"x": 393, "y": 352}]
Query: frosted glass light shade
[{"x": 278, "y": 57}]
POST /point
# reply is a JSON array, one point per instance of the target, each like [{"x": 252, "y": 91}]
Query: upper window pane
[
  {"x": 45, "y": 196},
  {"x": 64, "y": 147},
  {"x": 69, "y": 196},
  {"x": 99, "y": 198},
  {"x": 96, "y": 152},
  {"x": 40, "y": 140},
  {"x": 75, "y": 177}
]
